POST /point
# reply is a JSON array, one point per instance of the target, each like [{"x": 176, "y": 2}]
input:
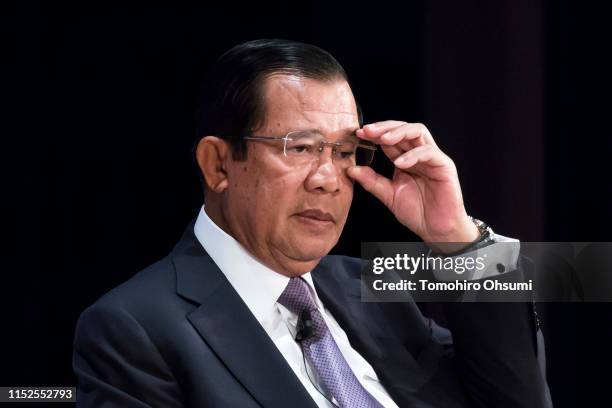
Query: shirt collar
[{"x": 258, "y": 286}]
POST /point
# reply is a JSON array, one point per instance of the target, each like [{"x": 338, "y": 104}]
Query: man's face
[{"x": 291, "y": 216}]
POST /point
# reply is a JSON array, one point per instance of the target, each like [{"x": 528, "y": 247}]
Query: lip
[{"x": 316, "y": 215}]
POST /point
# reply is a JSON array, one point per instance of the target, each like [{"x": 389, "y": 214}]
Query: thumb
[{"x": 379, "y": 186}]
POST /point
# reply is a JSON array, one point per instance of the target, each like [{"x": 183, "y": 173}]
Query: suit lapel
[{"x": 226, "y": 324}]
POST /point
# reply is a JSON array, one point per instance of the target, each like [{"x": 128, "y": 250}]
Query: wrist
[{"x": 463, "y": 236}]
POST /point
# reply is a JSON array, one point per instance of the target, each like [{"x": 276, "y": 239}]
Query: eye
[
  {"x": 301, "y": 148},
  {"x": 346, "y": 155},
  {"x": 346, "y": 150}
]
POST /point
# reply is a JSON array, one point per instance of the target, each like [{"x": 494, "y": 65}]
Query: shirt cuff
[{"x": 500, "y": 256}]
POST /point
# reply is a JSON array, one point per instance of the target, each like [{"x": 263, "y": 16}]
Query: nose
[{"x": 325, "y": 177}]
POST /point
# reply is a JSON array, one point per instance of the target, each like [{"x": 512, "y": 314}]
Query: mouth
[{"x": 317, "y": 216}]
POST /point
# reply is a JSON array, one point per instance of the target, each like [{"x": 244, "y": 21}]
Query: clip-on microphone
[{"x": 305, "y": 326}]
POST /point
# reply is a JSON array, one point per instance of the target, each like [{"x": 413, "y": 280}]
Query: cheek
[
  {"x": 268, "y": 193},
  {"x": 279, "y": 193},
  {"x": 347, "y": 190}
]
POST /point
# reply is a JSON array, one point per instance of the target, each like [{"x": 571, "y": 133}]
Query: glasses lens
[
  {"x": 364, "y": 156},
  {"x": 305, "y": 146},
  {"x": 302, "y": 147}
]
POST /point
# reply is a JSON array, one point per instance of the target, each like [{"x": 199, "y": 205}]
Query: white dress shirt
[{"x": 260, "y": 287}]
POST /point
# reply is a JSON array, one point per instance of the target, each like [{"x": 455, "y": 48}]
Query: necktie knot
[{"x": 296, "y": 297}]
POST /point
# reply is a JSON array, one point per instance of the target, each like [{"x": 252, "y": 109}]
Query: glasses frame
[{"x": 322, "y": 144}]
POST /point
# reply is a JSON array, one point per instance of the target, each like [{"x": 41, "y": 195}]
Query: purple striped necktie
[{"x": 323, "y": 353}]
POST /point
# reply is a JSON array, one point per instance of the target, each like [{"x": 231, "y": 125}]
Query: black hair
[{"x": 232, "y": 104}]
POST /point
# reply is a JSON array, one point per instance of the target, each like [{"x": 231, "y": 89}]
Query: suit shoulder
[{"x": 142, "y": 293}]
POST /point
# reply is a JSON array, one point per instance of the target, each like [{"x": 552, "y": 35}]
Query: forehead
[{"x": 293, "y": 102}]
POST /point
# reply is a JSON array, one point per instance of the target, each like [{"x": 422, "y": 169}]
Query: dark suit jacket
[{"x": 177, "y": 334}]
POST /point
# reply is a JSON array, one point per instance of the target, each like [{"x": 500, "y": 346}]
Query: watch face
[{"x": 482, "y": 227}]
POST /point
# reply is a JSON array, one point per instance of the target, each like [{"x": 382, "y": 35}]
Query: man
[{"x": 248, "y": 310}]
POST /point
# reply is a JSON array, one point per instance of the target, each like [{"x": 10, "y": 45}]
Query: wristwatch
[{"x": 486, "y": 235}]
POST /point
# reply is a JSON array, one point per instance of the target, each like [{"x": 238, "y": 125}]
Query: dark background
[{"x": 99, "y": 125}]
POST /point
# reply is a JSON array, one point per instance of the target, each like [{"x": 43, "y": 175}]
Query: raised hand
[{"x": 424, "y": 193}]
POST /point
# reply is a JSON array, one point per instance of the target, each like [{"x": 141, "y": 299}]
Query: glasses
[{"x": 305, "y": 147}]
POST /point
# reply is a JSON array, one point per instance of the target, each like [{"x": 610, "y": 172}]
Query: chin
[
  {"x": 306, "y": 252},
  {"x": 309, "y": 247}
]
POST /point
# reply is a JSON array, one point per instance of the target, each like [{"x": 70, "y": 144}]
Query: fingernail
[{"x": 399, "y": 161}]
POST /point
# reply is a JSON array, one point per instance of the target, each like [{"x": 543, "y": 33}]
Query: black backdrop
[{"x": 99, "y": 125}]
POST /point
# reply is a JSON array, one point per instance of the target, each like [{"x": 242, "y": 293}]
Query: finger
[
  {"x": 378, "y": 128},
  {"x": 395, "y": 132},
  {"x": 392, "y": 152},
  {"x": 423, "y": 154},
  {"x": 373, "y": 131},
  {"x": 383, "y": 139},
  {"x": 379, "y": 186},
  {"x": 416, "y": 133}
]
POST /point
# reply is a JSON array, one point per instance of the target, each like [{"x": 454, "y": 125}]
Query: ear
[{"x": 212, "y": 154}]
